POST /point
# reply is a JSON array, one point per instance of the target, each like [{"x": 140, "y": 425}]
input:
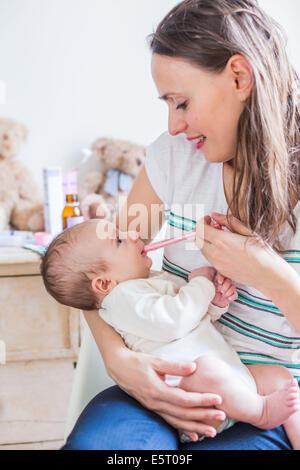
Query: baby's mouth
[{"x": 142, "y": 250}]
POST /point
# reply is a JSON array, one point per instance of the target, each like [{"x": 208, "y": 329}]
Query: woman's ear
[{"x": 241, "y": 73}]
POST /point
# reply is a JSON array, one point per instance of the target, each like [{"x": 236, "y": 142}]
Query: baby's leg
[
  {"x": 240, "y": 402},
  {"x": 292, "y": 428},
  {"x": 270, "y": 378}
]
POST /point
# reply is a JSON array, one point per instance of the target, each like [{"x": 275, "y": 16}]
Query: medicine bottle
[{"x": 72, "y": 214}]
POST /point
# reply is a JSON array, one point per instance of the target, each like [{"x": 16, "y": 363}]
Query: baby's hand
[
  {"x": 225, "y": 291},
  {"x": 206, "y": 271}
]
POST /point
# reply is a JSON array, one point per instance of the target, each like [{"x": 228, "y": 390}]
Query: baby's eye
[{"x": 182, "y": 105}]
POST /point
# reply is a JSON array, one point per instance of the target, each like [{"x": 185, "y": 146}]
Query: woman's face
[{"x": 200, "y": 103}]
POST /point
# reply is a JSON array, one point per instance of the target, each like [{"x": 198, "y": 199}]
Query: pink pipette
[{"x": 170, "y": 241}]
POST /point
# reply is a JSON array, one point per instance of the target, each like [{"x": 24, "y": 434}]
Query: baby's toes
[
  {"x": 293, "y": 396},
  {"x": 293, "y": 404}
]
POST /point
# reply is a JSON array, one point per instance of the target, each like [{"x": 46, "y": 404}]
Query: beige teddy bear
[
  {"x": 120, "y": 162},
  {"x": 21, "y": 206}
]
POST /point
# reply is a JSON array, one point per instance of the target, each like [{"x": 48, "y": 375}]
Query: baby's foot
[{"x": 279, "y": 406}]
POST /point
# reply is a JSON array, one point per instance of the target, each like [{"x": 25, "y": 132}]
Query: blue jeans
[{"x": 115, "y": 421}]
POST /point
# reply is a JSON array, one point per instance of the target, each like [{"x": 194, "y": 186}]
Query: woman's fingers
[
  {"x": 192, "y": 435},
  {"x": 189, "y": 426},
  {"x": 183, "y": 410},
  {"x": 231, "y": 223},
  {"x": 198, "y": 414},
  {"x": 173, "y": 368},
  {"x": 178, "y": 397},
  {"x": 205, "y": 233}
]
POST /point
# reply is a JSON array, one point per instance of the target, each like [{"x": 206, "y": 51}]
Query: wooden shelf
[{"x": 42, "y": 343}]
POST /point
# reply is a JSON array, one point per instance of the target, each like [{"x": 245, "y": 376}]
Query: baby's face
[{"x": 121, "y": 250}]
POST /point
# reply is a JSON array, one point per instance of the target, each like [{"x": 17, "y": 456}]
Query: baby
[{"x": 94, "y": 266}]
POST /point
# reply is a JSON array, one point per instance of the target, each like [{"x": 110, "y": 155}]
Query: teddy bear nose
[
  {"x": 5, "y": 137},
  {"x": 138, "y": 161}
]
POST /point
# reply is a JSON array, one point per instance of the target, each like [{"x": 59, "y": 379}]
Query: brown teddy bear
[
  {"x": 21, "y": 206},
  {"x": 120, "y": 162}
]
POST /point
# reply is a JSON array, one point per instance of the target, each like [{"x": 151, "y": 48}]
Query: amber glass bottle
[{"x": 72, "y": 214}]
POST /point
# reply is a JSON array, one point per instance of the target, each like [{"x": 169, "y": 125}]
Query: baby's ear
[{"x": 103, "y": 286}]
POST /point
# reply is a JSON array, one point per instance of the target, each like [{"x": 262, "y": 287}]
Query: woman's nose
[{"x": 176, "y": 125}]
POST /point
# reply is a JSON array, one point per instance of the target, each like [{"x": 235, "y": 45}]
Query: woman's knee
[{"x": 115, "y": 421}]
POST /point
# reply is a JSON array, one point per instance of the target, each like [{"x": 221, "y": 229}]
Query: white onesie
[{"x": 165, "y": 316}]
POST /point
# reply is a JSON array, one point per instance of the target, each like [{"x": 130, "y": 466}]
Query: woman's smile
[{"x": 200, "y": 140}]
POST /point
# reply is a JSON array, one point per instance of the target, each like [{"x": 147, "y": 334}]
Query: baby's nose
[{"x": 133, "y": 235}]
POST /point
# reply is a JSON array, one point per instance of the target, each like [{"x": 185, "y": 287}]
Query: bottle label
[
  {"x": 72, "y": 204},
  {"x": 70, "y": 182},
  {"x": 71, "y": 221}
]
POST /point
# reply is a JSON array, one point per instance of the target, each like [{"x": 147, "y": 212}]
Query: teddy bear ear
[{"x": 100, "y": 144}]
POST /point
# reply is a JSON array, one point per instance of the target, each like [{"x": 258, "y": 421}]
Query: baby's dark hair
[{"x": 66, "y": 277}]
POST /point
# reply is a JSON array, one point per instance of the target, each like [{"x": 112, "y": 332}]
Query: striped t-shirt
[{"x": 190, "y": 187}]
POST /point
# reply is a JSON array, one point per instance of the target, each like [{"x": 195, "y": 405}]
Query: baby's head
[{"x": 84, "y": 263}]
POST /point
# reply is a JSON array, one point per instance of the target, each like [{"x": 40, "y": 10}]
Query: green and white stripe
[
  {"x": 179, "y": 222},
  {"x": 291, "y": 256},
  {"x": 259, "y": 334},
  {"x": 174, "y": 268},
  {"x": 257, "y": 303}
]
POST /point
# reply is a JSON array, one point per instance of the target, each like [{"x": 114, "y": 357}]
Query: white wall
[{"x": 76, "y": 70}]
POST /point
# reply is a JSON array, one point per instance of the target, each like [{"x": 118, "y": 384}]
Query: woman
[{"x": 233, "y": 146}]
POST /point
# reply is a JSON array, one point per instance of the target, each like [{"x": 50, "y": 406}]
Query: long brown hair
[{"x": 207, "y": 33}]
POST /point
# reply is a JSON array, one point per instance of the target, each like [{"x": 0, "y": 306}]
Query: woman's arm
[
  {"x": 285, "y": 293},
  {"x": 251, "y": 264}
]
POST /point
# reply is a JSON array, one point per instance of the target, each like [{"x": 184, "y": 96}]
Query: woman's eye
[
  {"x": 119, "y": 241},
  {"x": 182, "y": 105}
]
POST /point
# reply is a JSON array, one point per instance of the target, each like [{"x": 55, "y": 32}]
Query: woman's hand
[
  {"x": 142, "y": 376},
  {"x": 235, "y": 254}
]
